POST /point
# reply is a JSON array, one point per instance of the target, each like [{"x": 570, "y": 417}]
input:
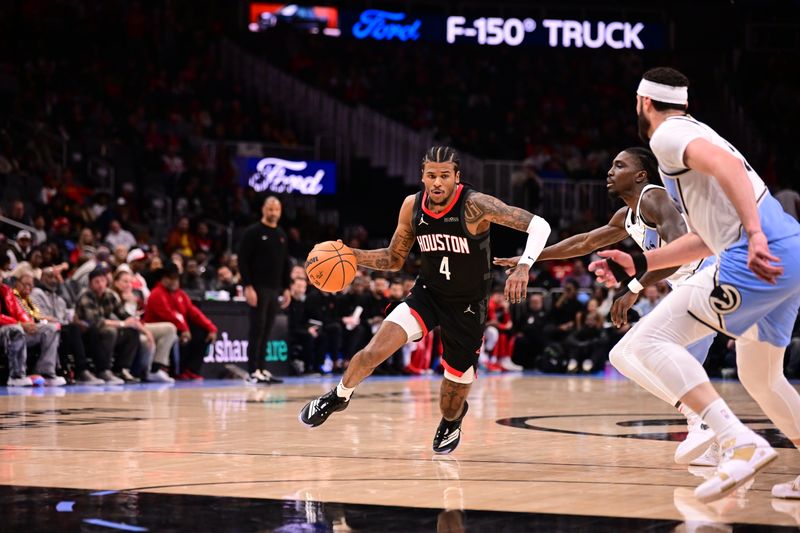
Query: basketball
[{"x": 331, "y": 266}]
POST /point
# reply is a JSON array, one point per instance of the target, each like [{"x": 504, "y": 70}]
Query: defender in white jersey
[
  {"x": 651, "y": 220},
  {"x": 751, "y": 294}
]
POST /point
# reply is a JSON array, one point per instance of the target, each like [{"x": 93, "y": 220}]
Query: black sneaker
[
  {"x": 317, "y": 411},
  {"x": 448, "y": 434}
]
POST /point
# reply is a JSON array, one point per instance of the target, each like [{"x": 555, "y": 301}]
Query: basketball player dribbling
[
  {"x": 752, "y": 293},
  {"x": 651, "y": 220},
  {"x": 450, "y": 223}
]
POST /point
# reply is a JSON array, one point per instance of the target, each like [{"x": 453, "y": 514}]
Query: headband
[{"x": 663, "y": 93}]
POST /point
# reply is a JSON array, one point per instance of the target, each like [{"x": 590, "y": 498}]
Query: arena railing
[{"x": 345, "y": 131}]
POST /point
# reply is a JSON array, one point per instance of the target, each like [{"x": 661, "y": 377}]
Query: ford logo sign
[
  {"x": 277, "y": 175},
  {"x": 385, "y": 26}
]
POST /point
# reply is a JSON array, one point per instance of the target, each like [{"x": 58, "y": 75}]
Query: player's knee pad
[
  {"x": 465, "y": 378},
  {"x": 403, "y": 317}
]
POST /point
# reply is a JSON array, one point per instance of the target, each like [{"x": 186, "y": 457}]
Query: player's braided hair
[
  {"x": 667, "y": 76},
  {"x": 646, "y": 160},
  {"x": 441, "y": 154}
]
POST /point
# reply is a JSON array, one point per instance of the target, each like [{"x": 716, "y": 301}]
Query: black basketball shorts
[{"x": 462, "y": 326}]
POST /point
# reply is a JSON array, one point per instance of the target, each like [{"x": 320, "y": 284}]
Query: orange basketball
[{"x": 331, "y": 266}]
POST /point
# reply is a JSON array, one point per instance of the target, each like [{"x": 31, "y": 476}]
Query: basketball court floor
[{"x": 537, "y": 453}]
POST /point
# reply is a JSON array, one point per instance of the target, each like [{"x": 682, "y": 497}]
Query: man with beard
[
  {"x": 450, "y": 222},
  {"x": 47, "y": 298},
  {"x": 651, "y": 220},
  {"x": 265, "y": 267},
  {"x": 752, "y": 294}
]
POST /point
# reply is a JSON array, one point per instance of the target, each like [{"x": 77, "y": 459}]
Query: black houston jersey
[{"x": 455, "y": 264}]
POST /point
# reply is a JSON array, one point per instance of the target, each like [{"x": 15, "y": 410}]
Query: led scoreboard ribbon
[{"x": 380, "y": 25}]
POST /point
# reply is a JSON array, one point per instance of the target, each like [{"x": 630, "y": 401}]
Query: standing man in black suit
[{"x": 265, "y": 267}]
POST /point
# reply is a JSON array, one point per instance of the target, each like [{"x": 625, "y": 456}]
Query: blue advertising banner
[{"x": 275, "y": 175}]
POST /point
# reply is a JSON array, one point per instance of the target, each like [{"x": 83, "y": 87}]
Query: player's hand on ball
[
  {"x": 603, "y": 273},
  {"x": 759, "y": 258},
  {"x": 516, "y": 288}
]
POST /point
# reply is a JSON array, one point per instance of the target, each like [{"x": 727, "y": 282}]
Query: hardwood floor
[{"x": 567, "y": 446}]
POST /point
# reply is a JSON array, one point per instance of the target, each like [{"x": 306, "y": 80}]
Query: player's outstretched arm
[
  {"x": 581, "y": 244},
  {"x": 393, "y": 257},
  {"x": 481, "y": 210},
  {"x": 684, "y": 249}
]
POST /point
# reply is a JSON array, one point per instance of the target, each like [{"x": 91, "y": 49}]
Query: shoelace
[{"x": 329, "y": 400}]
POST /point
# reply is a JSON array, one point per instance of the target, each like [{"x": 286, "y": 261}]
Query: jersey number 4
[{"x": 444, "y": 267}]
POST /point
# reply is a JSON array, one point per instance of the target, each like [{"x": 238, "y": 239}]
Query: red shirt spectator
[
  {"x": 11, "y": 313},
  {"x": 176, "y": 307}
]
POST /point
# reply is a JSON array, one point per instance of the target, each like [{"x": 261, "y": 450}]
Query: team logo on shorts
[{"x": 725, "y": 299}]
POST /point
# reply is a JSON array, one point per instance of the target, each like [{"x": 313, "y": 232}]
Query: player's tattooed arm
[
  {"x": 480, "y": 210},
  {"x": 393, "y": 257}
]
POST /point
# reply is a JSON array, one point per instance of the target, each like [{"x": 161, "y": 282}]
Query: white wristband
[
  {"x": 538, "y": 232},
  {"x": 635, "y": 286}
]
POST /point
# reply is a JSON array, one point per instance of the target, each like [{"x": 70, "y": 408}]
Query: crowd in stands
[
  {"x": 563, "y": 327},
  {"x": 97, "y": 317}
]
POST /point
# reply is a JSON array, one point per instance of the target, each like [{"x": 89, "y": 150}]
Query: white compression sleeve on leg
[
  {"x": 538, "y": 232},
  {"x": 760, "y": 366},
  {"x": 659, "y": 341},
  {"x": 630, "y": 367}
]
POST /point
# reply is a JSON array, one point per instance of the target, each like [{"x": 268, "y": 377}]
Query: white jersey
[
  {"x": 699, "y": 197},
  {"x": 647, "y": 237}
]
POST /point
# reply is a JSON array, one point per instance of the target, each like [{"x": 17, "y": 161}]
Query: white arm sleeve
[{"x": 538, "y": 232}]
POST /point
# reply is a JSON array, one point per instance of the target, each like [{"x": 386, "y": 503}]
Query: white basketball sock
[
  {"x": 344, "y": 392},
  {"x": 722, "y": 420}
]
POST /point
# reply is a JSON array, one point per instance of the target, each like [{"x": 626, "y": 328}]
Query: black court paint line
[
  {"x": 358, "y": 458},
  {"x": 28, "y": 509},
  {"x": 173, "y": 512}
]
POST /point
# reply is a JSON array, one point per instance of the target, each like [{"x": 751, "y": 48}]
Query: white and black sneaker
[
  {"x": 264, "y": 377},
  {"x": 448, "y": 434},
  {"x": 317, "y": 411}
]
